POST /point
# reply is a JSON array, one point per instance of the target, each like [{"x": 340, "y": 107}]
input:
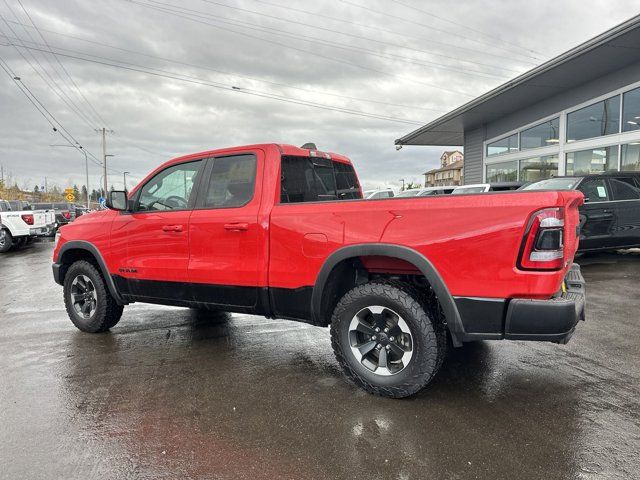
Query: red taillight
[
  {"x": 28, "y": 219},
  {"x": 66, "y": 215},
  {"x": 543, "y": 245}
]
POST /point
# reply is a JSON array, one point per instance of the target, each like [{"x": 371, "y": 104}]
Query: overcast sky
[{"x": 388, "y": 68}]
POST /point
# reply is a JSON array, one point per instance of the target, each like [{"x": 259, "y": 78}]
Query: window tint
[
  {"x": 61, "y": 206},
  {"x": 313, "y": 179},
  {"x": 5, "y": 207},
  {"x": 595, "y": 189},
  {"x": 170, "y": 189},
  {"x": 346, "y": 181},
  {"x": 231, "y": 183},
  {"x": 505, "y": 145},
  {"x": 631, "y": 110},
  {"x": 601, "y": 118},
  {"x": 541, "y": 135},
  {"x": 624, "y": 188},
  {"x": 592, "y": 161}
]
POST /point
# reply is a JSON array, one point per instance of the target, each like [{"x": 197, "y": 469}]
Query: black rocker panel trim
[
  {"x": 230, "y": 297},
  {"x": 292, "y": 303}
]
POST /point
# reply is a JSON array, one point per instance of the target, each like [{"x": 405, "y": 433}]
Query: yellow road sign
[{"x": 70, "y": 197}]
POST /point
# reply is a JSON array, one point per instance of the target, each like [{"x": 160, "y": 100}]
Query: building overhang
[{"x": 612, "y": 50}]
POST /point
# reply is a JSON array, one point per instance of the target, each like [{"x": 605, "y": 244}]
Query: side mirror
[{"x": 117, "y": 200}]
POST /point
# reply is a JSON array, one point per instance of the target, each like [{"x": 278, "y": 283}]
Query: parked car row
[
  {"x": 21, "y": 222},
  {"x": 19, "y": 227}
]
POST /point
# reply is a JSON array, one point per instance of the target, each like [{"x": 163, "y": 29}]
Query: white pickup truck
[{"x": 17, "y": 228}]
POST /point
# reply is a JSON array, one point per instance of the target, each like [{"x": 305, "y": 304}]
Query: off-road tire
[
  {"x": 423, "y": 316},
  {"x": 6, "y": 245},
  {"x": 107, "y": 313}
]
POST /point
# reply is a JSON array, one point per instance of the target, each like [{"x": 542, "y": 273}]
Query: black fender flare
[
  {"x": 93, "y": 250},
  {"x": 454, "y": 323}
]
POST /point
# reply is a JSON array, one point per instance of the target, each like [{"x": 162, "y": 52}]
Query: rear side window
[
  {"x": 231, "y": 183},
  {"x": 313, "y": 179},
  {"x": 346, "y": 181},
  {"x": 595, "y": 190},
  {"x": 624, "y": 188}
]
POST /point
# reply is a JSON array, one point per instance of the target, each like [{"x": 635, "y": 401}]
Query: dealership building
[{"x": 577, "y": 113}]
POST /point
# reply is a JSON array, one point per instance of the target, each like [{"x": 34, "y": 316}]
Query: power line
[
  {"x": 196, "y": 80},
  {"x": 431, "y": 27},
  {"x": 268, "y": 82},
  {"x": 92, "y": 108},
  {"x": 495, "y": 37},
  {"x": 49, "y": 82},
  {"x": 348, "y": 34},
  {"x": 321, "y": 41},
  {"x": 67, "y": 99},
  {"x": 39, "y": 106},
  {"x": 310, "y": 52},
  {"x": 393, "y": 32}
]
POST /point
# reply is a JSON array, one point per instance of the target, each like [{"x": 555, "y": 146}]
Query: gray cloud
[{"x": 170, "y": 117}]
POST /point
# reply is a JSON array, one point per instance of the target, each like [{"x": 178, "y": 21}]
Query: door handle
[
  {"x": 236, "y": 227},
  {"x": 172, "y": 228}
]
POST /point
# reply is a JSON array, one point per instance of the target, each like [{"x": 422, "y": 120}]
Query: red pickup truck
[{"x": 283, "y": 232}]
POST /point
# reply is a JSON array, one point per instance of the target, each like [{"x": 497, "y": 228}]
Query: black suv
[{"x": 610, "y": 216}]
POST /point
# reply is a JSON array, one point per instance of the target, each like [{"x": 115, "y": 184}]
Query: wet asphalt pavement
[{"x": 167, "y": 394}]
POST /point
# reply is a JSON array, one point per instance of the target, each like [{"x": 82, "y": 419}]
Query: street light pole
[
  {"x": 402, "y": 180},
  {"x": 124, "y": 180}
]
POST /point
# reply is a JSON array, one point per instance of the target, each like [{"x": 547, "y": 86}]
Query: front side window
[
  {"x": 592, "y": 161},
  {"x": 630, "y": 157},
  {"x": 502, "y": 172},
  {"x": 505, "y": 145},
  {"x": 631, "y": 111},
  {"x": 542, "y": 135},
  {"x": 601, "y": 118},
  {"x": 170, "y": 189},
  {"x": 231, "y": 183},
  {"x": 594, "y": 190},
  {"x": 537, "y": 168},
  {"x": 624, "y": 188}
]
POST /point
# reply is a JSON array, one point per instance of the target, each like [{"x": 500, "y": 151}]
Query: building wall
[
  {"x": 473, "y": 139},
  {"x": 473, "y": 155}
]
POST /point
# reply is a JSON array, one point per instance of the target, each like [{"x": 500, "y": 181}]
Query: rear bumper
[{"x": 551, "y": 320}]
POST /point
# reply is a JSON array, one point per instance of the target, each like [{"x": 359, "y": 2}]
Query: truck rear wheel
[
  {"x": 87, "y": 299},
  {"x": 6, "y": 240},
  {"x": 386, "y": 339}
]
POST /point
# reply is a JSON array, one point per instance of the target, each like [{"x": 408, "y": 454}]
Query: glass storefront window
[
  {"x": 602, "y": 118},
  {"x": 630, "y": 157},
  {"x": 542, "y": 135},
  {"x": 537, "y": 168},
  {"x": 592, "y": 161},
  {"x": 631, "y": 110},
  {"x": 502, "y": 172},
  {"x": 505, "y": 145}
]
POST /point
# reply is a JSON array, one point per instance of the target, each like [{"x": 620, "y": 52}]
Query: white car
[
  {"x": 17, "y": 228},
  {"x": 427, "y": 191},
  {"x": 487, "y": 187},
  {"x": 378, "y": 194}
]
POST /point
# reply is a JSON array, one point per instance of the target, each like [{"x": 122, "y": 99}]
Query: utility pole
[
  {"x": 45, "y": 184},
  {"x": 104, "y": 159},
  {"x": 104, "y": 131},
  {"x": 402, "y": 180},
  {"x": 86, "y": 171},
  {"x": 124, "y": 180}
]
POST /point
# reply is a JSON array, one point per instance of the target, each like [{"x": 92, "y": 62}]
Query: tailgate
[{"x": 39, "y": 219}]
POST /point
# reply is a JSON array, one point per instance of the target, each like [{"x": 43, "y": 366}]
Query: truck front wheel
[
  {"x": 386, "y": 339},
  {"x": 6, "y": 240},
  {"x": 87, "y": 299}
]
